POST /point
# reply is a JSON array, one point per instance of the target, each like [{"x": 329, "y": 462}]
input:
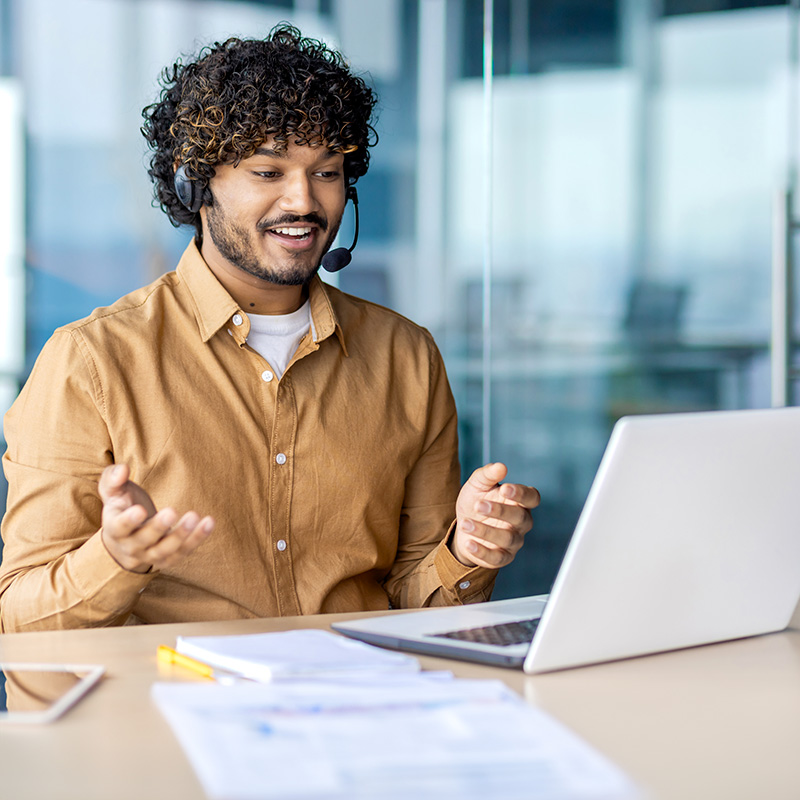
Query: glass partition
[{"x": 633, "y": 190}]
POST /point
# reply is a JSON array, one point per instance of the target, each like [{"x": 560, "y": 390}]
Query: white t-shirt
[{"x": 276, "y": 336}]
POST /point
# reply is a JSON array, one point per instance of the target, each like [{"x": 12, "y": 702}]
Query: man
[{"x": 300, "y": 443}]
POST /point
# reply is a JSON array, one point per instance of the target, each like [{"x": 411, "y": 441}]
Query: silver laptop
[{"x": 690, "y": 535}]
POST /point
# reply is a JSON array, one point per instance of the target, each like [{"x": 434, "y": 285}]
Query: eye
[
  {"x": 266, "y": 174},
  {"x": 328, "y": 174}
]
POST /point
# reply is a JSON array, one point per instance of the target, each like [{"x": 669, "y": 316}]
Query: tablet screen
[{"x": 42, "y": 692}]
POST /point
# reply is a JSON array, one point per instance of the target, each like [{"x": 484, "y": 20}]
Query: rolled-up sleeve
[{"x": 56, "y": 572}]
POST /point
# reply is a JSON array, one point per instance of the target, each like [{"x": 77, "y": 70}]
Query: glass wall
[
  {"x": 583, "y": 221},
  {"x": 636, "y": 152}
]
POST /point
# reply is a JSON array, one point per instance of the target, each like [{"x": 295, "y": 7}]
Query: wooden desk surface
[{"x": 712, "y": 722}]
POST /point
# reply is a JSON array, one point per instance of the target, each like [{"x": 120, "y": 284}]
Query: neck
[
  {"x": 276, "y": 300},
  {"x": 253, "y": 294}
]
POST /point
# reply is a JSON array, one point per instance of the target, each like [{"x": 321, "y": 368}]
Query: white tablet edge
[{"x": 91, "y": 674}]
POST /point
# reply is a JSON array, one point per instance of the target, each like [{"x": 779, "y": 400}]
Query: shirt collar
[
  {"x": 324, "y": 321},
  {"x": 214, "y": 307}
]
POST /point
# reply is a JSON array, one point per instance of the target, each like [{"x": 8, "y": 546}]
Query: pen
[{"x": 166, "y": 655}]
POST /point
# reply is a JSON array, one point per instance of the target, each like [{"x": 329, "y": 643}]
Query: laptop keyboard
[{"x": 504, "y": 634}]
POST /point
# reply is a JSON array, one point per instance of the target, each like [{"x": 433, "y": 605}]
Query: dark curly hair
[{"x": 220, "y": 107}]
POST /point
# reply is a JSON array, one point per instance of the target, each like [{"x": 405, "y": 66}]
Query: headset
[
  {"x": 190, "y": 193},
  {"x": 340, "y": 257}
]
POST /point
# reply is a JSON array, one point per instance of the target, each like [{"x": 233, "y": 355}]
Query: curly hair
[{"x": 220, "y": 107}]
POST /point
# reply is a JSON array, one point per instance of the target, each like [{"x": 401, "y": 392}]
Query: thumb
[
  {"x": 112, "y": 479},
  {"x": 488, "y": 476}
]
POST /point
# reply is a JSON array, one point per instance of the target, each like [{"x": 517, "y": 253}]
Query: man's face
[{"x": 275, "y": 214}]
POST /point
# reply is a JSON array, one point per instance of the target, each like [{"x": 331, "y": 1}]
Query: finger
[
  {"x": 487, "y": 477},
  {"x": 509, "y": 514},
  {"x": 526, "y": 496},
  {"x": 491, "y": 537},
  {"x": 112, "y": 479},
  {"x": 188, "y": 546},
  {"x": 485, "y": 556},
  {"x": 136, "y": 543},
  {"x": 127, "y": 542},
  {"x": 174, "y": 538},
  {"x": 120, "y": 523},
  {"x": 185, "y": 537}
]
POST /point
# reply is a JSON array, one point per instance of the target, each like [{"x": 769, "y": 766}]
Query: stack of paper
[
  {"x": 393, "y": 737},
  {"x": 358, "y": 722},
  {"x": 291, "y": 654}
]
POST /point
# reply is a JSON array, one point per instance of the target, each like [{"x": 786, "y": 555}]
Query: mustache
[{"x": 288, "y": 219}]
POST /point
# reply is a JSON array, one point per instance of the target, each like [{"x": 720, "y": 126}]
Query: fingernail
[
  {"x": 117, "y": 471},
  {"x": 467, "y": 525},
  {"x": 483, "y": 507},
  {"x": 472, "y": 546},
  {"x": 167, "y": 517}
]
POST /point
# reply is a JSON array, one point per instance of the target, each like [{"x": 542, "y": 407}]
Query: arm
[
  {"x": 425, "y": 571},
  {"x": 437, "y": 565},
  {"x": 58, "y": 570}
]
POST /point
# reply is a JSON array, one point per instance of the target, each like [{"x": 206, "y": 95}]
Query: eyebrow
[{"x": 268, "y": 151}]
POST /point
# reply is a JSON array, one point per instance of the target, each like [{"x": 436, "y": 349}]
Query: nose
[{"x": 298, "y": 196}]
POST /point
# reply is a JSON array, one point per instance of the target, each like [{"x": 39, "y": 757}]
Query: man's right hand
[{"x": 136, "y": 535}]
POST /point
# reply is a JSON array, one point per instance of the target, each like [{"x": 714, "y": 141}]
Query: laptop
[{"x": 690, "y": 535}]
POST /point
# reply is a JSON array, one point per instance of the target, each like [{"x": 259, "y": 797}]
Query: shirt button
[
  {"x": 267, "y": 376},
  {"x": 281, "y": 458},
  {"x": 237, "y": 319},
  {"x": 281, "y": 545},
  {"x": 464, "y": 585}
]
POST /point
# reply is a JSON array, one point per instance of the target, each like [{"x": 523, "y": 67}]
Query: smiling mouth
[{"x": 292, "y": 234}]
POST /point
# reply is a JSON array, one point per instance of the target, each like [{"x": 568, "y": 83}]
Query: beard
[{"x": 237, "y": 246}]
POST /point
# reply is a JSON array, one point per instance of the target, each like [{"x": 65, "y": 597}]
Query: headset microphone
[{"x": 340, "y": 257}]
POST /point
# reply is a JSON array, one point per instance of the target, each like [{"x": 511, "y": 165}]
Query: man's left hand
[{"x": 492, "y": 518}]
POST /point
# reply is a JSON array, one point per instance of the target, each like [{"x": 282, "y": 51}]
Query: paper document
[
  {"x": 394, "y": 737},
  {"x": 266, "y": 656}
]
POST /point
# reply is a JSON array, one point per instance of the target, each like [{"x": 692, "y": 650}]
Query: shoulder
[
  {"x": 139, "y": 305},
  {"x": 363, "y": 318},
  {"x": 126, "y": 334},
  {"x": 395, "y": 349}
]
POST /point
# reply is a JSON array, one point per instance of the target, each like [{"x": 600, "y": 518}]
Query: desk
[{"x": 712, "y": 722}]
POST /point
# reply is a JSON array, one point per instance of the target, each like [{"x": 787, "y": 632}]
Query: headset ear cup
[{"x": 190, "y": 192}]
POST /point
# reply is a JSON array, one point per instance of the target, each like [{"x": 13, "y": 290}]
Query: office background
[{"x": 574, "y": 196}]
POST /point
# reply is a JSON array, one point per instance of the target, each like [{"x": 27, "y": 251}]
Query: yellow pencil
[{"x": 166, "y": 655}]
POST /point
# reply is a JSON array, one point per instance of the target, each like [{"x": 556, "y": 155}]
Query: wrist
[
  {"x": 124, "y": 562},
  {"x": 459, "y": 543}
]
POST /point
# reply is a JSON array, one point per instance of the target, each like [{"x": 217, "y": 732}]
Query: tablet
[{"x": 37, "y": 693}]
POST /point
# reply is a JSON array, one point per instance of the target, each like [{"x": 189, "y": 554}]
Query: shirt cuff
[
  {"x": 103, "y": 583},
  {"x": 468, "y": 584}
]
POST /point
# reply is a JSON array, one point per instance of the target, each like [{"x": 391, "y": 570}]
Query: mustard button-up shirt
[{"x": 333, "y": 488}]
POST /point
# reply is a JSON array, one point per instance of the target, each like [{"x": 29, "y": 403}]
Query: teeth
[{"x": 293, "y": 231}]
